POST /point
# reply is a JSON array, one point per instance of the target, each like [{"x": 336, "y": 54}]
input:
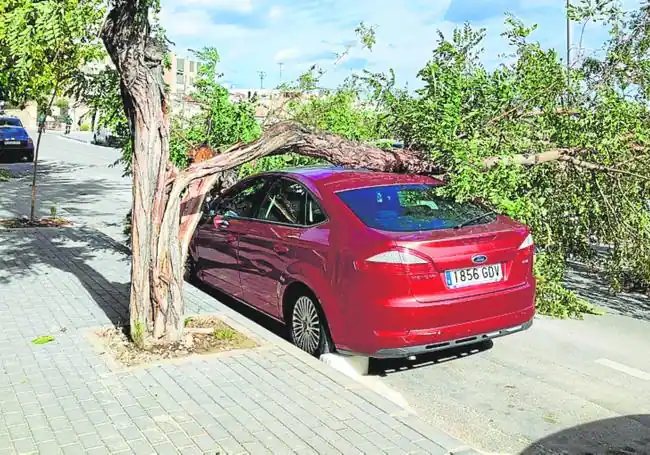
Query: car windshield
[
  {"x": 412, "y": 208},
  {"x": 7, "y": 121}
]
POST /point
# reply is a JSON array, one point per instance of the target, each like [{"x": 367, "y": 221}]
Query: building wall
[
  {"x": 182, "y": 74},
  {"x": 27, "y": 116}
]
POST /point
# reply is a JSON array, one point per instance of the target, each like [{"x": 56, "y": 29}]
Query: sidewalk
[
  {"x": 62, "y": 397},
  {"x": 80, "y": 136}
]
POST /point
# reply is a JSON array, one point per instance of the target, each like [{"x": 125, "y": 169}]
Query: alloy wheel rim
[{"x": 306, "y": 325}]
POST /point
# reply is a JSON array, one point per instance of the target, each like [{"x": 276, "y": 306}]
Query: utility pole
[
  {"x": 568, "y": 47},
  {"x": 281, "y": 65},
  {"x": 262, "y": 75}
]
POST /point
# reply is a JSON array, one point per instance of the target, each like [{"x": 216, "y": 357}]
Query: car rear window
[
  {"x": 411, "y": 208},
  {"x": 7, "y": 121}
]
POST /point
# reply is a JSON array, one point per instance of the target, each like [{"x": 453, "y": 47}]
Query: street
[{"x": 527, "y": 387}]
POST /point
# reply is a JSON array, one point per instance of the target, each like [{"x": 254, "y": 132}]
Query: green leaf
[{"x": 43, "y": 339}]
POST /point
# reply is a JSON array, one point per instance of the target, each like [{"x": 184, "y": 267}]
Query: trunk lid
[{"x": 478, "y": 246}]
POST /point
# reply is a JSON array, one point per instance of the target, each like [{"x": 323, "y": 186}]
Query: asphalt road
[{"x": 569, "y": 384}]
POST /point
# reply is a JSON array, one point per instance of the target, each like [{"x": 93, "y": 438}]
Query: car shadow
[
  {"x": 385, "y": 367},
  {"x": 251, "y": 313},
  {"x": 616, "y": 436}
]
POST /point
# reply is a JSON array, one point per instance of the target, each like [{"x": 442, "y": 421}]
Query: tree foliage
[
  {"x": 594, "y": 188},
  {"x": 44, "y": 44}
]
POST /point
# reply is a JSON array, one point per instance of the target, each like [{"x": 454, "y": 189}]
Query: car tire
[
  {"x": 29, "y": 158},
  {"x": 191, "y": 275},
  {"x": 308, "y": 326}
]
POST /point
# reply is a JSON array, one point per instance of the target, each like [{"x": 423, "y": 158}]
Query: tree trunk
[
  {"x": 156, "y": 303},
  {"x": 32, "y": 209}
]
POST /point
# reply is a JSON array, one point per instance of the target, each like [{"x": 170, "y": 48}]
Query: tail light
[
  {"x": 29, "y": 141},
  {"x": 400, "y": 262},
  {"x": 527, "y": 249},
  {"x": 527, "y": 243}
]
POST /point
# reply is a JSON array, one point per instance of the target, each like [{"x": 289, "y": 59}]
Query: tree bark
[{"x": 156, "y": 303}]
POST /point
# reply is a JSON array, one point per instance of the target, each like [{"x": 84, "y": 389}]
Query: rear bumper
[
  {"x": 408, "y": 351},
  {"x": 16, "y": 153},
  {"x": 406, "y": 327}
]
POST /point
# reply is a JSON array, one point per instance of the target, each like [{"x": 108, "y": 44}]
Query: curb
[{"x": 71, "y": 138}]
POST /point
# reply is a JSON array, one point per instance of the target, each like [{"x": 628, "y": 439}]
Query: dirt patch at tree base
[
  {"x": 18, "y": 223},
  {"x": 203, "y": 335}
]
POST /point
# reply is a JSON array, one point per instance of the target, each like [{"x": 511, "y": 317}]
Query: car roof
[{"x": 335, "y": 178}]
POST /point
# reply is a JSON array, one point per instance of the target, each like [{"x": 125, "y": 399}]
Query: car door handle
[{"x": 280, "y": 249}]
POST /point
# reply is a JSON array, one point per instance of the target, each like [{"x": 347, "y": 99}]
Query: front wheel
[{"x": 308, "y": 326}]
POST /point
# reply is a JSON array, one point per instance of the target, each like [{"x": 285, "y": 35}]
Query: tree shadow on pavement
[
  {"x": 56, "y": 187},
  {"x": 616, "y": 436},
  {"x": 384, "y": 367},
  {"x": 587, "y": 283},
  {"x": 35, "y": 253}
]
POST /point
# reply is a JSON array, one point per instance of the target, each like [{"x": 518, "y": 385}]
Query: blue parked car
[{"x": 15, "y": 143}]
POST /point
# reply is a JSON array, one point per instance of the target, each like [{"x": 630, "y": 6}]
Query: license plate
[
  {"x": 474, "y": 275},
  {"x": 12, "y": 142}
]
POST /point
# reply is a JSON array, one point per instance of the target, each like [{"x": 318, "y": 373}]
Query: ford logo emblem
[{"x": 479, "y": 259}]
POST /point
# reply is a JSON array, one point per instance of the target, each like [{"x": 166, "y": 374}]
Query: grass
[
  {"x": 5, "y": 175},
  {"x": 225, "y": 333}
]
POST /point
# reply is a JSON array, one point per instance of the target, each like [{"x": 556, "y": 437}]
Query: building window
[
  {"x": 191, "y": 66},
  {"x": 180, "y": 79},
  {"x": 180, "y": 65}
]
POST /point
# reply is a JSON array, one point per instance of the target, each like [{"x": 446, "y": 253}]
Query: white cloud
[
  {"x": 197, "y": 24},
  {"x": 285, "y": 55},
  {"x": 301, "y": 33},
  {"x": 240, "y": 6},
  {"x": 275, "y": 12}
]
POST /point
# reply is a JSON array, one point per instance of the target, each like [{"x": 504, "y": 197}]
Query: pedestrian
[
  {"x": 41, "y": 122},
  {"x": 68, "y": 124}
]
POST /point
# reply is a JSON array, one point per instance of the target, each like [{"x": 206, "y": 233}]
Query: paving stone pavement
[{"x": 62, "y": 397}]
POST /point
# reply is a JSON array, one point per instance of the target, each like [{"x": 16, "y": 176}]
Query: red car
[{"x": 373, "y": 264}]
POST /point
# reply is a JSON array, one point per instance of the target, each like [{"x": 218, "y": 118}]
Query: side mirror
[{"x": 220, "y": 222}]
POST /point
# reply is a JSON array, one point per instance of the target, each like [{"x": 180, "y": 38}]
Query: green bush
[{"x": 84, "y": 127}]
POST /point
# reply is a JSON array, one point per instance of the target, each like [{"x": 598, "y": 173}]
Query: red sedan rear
[{"x": 381, "y": 265}]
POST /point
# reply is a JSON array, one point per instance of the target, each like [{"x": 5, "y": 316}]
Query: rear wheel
[
  {"x": 190, "y": 270},
  {"x": 308, "y": 327}
]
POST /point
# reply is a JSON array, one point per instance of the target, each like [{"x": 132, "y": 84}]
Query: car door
[
  {"x": 218, "y": 261},
  {"x": 274, "y": 241}
]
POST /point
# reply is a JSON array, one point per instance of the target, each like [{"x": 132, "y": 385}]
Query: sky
[{"x": 258, "y": 35}]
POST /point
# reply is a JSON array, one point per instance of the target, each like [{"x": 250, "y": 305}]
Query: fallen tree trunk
[
  {"x": 290, "y": 137},
  {"x": 286, "y": 137}
]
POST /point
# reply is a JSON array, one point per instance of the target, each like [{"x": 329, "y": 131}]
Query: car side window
[
  {"x": 289, "y": 202},
  {"x": 285, "y": 203},
  {"x": 243, "y": 202},
  {"x": 313, "y": 212}
]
